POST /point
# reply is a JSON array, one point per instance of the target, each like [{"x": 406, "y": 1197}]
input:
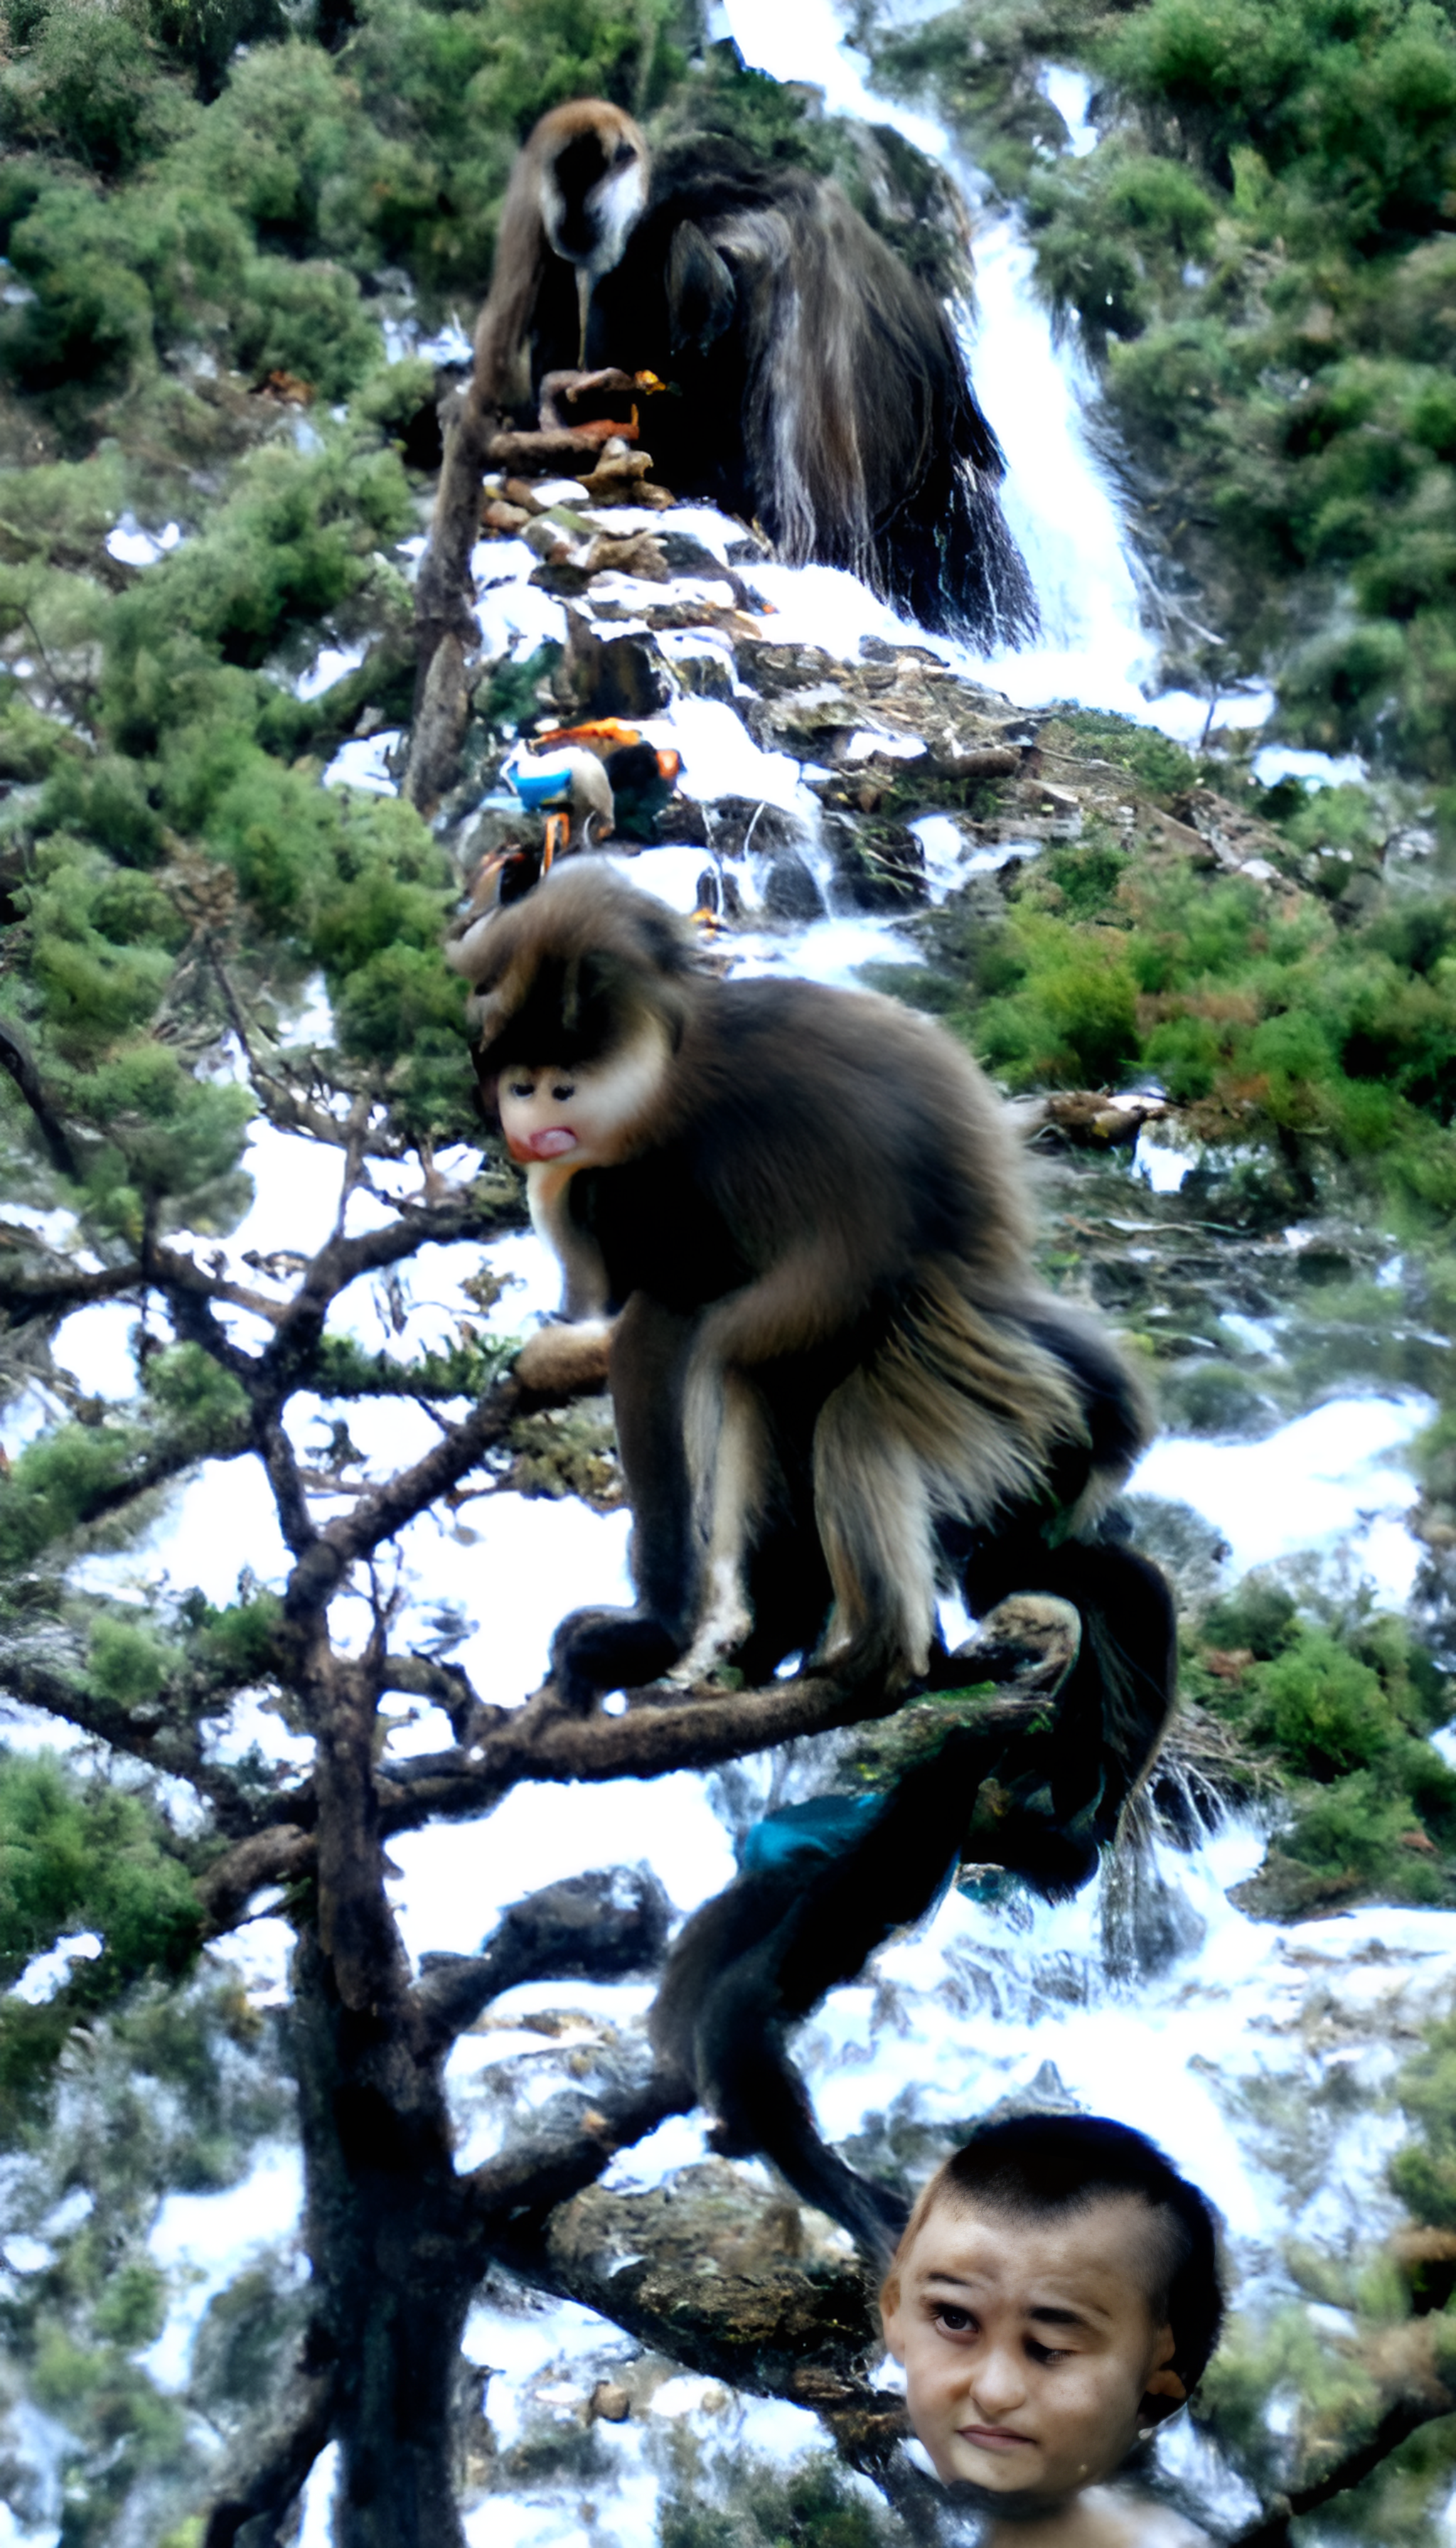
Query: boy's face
[{"x": 1030, "y": 2344}]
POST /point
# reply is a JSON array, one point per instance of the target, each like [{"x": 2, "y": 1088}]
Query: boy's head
[{"x": 1055, "y": 2292}]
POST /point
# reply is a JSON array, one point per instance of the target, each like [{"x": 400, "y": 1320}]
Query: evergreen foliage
[{"x": 207, "y": 208}]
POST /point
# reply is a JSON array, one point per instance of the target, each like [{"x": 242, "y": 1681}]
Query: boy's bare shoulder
[{"x": 1120, "y": 2520}]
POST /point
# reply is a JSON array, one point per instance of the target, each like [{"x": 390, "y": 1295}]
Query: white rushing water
[
  {"x": 1097, "y": 646},
  {"x": 1256, "y": 2054}
]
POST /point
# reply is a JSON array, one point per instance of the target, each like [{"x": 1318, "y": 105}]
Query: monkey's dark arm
[{"x": 1041, "y": 1803}]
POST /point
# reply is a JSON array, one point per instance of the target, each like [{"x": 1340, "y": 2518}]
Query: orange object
[
  {"x": 609, "y": 730},
  {"x": 558, "y": 833}
]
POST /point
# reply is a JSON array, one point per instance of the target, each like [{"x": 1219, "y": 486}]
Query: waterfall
[{"x": 1098, "y": 647}]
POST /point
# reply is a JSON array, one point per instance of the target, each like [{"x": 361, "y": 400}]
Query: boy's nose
[{"x": 998, "y": 2384}]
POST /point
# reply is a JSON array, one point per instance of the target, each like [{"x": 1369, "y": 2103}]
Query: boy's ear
[
  {"x": 1166, "y": 2382},
  {"x": 1163, "y": 2381},
  {"x": 890, "y": 2315}
]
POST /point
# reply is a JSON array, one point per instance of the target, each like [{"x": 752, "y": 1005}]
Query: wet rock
[
  {"x": 739, "y": 824},
  {"x": 877, "y": 866},
  {"x": 621, "y": 675},
  {"x": 1190, "y": 1550},
  {"x": 708, "y": 676},
  {"x": 623, "y": 475},
  {"x": 1239, "y": 841},
  {"x": 1147, "y": 1924},
  {"x": 789, "y": 889},
  {"x": 685, "y": 555},
  {"x": 808, "y": 722},
  {"x": 640, "y": 554},
  {"x": 1284, "y": 1889},
  {"x": 547, "y": 539},
  {"x": 1093, "y": 1120}
]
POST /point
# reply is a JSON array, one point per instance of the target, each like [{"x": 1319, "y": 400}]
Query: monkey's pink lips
[
  {"x": 552, "y": 1143},
  {"x": 994, "y": 2437}
]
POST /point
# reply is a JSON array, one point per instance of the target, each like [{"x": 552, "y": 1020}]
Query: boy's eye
[
  {"x": 954, "y": 2322},
  {"x": 1048, "y": 2352}
]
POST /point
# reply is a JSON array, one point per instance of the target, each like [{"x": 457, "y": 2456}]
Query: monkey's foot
[
  {"x": 1032, "y": 1638},
  {"x": 594, "y": 1651}
]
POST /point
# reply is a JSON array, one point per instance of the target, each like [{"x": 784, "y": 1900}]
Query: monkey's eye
[
  {"x": 520, "y": 1088},
  {"x": 564, "y": 1089},
  {"x": 623, "y": 156}
]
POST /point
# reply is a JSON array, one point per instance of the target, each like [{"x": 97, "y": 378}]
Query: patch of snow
[
  {"x": 132, "y": 546},
  {"x": 1070, "y": 92},
  {"x": 204, "y": 2240},
  {"x": 1275, "y": 761},
  {"x": 361, "y": 763},
  {"x": 1159, "y": 1165},
  {"x": 46, "y": 1975},
  {"x": 95, "y": 1346},
  {"x": 331, "y": 663}
]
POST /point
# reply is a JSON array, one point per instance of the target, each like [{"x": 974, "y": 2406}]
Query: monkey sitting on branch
[
  {"x": 795, "y": 1237},
  {"x": 818, "y": 386}
]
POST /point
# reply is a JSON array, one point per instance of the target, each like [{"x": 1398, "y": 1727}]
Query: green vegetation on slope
[
  {"x": 1310, "y": 1011},
  {"x": 1259, "y": 252}
]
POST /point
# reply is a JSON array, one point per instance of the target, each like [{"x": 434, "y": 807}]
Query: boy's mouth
[{"x": 994, "y": 2437}]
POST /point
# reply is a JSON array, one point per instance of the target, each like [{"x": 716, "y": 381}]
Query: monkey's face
[
  {"x": 584, "y": 1116},
  {"x": 591, "y": 192}
]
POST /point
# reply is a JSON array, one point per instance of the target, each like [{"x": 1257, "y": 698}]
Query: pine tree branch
[
  {"x": 598, "y": 1927},
  {"x": 38, "y": 1679},
  {"x": 285, "y": 2456},
  {"x": 1403, "y": 2417},
  {"x": 509, "y": 2196},
  {"x": 283, "y": 1855},
  {"x": 18, "y": 1062}
]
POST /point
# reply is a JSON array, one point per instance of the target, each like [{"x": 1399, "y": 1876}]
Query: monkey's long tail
[{"x": 1112, "y": 1712}]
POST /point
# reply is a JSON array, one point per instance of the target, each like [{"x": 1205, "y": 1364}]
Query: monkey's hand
[{"x": 558, "y": 1361}]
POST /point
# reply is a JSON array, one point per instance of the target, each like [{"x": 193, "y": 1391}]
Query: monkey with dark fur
[
  {"x": 818, "y": 385},
  {"x": 802, "y": 1216},
  {"x": 796, "y": 1234}
]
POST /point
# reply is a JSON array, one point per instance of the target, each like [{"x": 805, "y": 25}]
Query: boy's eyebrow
[{"x": 1045, "y": 2314}]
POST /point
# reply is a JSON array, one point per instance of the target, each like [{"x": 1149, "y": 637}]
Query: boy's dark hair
[{"x": 1040, "y": 2165}]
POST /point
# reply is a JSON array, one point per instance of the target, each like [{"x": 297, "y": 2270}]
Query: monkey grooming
[
  {"x": 818, "y": 385},
  {"x": 794, "y": 1227}
]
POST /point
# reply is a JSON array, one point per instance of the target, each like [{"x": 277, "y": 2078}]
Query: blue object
[
  {"x": 822, "y": 1828},
  {"x": 540, "y": 783}
]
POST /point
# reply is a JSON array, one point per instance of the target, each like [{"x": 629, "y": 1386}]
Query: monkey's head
[
  {"x": 582, "y": 992},
  {"x": 594, "y": 182}
]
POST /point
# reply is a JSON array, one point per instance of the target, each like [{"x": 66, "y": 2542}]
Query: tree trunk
[{"x": 395, "y": 2263}]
